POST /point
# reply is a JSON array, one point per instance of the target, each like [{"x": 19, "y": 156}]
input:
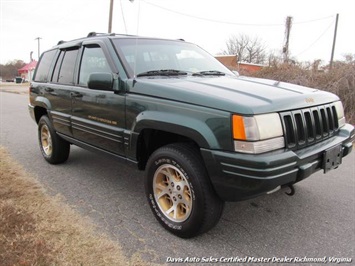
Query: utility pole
[
  {"x": 110, "y": 17},
  {"x": 39, "y": 51},
  {"x": 334, "y": 40},
  {"x": 285, "y": 49}
]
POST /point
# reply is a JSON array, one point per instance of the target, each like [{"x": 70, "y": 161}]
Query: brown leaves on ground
[
  {"x": 36, "y": 229},
  {"x": 18, "y": 243}
]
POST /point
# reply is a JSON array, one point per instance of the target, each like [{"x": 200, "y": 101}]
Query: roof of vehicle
[{"x": 103, "y": 35}]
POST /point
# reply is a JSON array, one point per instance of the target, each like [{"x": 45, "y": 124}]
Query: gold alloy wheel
[
  {"x": 46, "y": 140},
  {"x": 172, "y": 193}
]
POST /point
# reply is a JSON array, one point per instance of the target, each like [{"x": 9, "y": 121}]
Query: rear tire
[
  {"x": 179, "y": 191},
  {"x": 54, "y": 149}
]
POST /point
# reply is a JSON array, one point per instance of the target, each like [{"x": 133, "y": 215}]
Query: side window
[
  {"x": 57, "y": 67},
  {"x": 65, "y": 66},
  {"x": 44, "y": 66},
  {"x": 93, "y": 60}
]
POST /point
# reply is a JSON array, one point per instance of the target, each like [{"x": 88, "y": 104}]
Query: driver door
[{"x": 98, "y": 117}]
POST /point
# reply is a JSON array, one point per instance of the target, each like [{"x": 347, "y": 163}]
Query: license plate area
[{"x": 332, "y": 158}]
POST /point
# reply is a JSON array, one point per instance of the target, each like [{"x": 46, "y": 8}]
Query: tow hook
[{"x": 292, "y": 192}]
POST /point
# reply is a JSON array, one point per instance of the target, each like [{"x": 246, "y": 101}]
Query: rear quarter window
[
  {"x": 65, "y": 67},
  {"x": 44, "y": 65}
]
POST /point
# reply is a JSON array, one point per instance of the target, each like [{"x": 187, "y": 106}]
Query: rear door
[
  {"x": 58, "y": 90},
  {"x": 98, "y": 117}
]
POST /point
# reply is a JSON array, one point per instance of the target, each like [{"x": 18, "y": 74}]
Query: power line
[
  {"x": 310, "y": 46},
  {"x": 313, "y": 20},
  {"x": 230, "y": 22},
  {"x": 123, "y": 17},
  {"x": 211, "y": 20}
]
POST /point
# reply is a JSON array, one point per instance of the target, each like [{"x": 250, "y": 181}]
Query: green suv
[{"x": 203, "y": 134}]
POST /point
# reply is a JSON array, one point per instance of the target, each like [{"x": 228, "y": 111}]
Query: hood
[{"x": 233, "y": 94}]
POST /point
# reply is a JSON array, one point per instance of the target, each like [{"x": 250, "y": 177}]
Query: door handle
[
  {"x": 49, "y": 89},
  {"x": 76, "y": 95}
]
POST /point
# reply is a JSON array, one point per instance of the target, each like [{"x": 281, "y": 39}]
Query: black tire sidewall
[{"x": 192, "y": 224}]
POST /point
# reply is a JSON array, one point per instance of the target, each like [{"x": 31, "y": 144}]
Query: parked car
[{"x": 202, "y": 134}]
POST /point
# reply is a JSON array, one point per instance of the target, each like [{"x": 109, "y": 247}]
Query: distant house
[
  {"x": 231, "y": 61},
  {"x": 27, "y": 71}
]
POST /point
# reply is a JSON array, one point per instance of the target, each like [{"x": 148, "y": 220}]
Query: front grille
[{"x": 305, "y": 127}]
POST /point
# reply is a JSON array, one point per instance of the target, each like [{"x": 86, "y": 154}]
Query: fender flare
[
  {"x": 41, "y": 101},
  {"x": 189, "y": 127}
]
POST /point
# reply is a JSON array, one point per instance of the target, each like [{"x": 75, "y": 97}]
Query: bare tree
[
  {"x": 275, "y": 58},
  {"x": 10, "y": 70},
  {"x": 247, "y": 49},
  {"x": 349, "y": 58}
]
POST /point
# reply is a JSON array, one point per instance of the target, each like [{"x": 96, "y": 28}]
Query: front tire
[
  {"x": 179, "y": 191},
  {"x": 54, "y": 149}
]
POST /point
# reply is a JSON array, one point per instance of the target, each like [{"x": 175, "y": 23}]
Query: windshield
[{"x": 146, "y": 55}]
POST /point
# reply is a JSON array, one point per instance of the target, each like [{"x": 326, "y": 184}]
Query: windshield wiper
[
  {"x": 209, "y": 73},
  {"x": 162, "y": 72}
]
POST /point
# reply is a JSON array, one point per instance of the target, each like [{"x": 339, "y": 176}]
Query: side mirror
[{"x": 101, "y": 81}]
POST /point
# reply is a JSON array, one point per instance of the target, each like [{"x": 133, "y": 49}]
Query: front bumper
[{"x": 237, "y": 176}]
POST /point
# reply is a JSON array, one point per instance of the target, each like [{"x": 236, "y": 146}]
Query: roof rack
[{"x": 93, "y": 34}]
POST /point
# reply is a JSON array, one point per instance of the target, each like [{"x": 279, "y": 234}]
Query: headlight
[
  {"x": 257, "y": 134},
  {"x": 340, "y": 113}
]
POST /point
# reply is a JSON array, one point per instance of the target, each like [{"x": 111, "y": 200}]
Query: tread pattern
[
  {"x": 61, "y": 148},
  {"x": 212, "y": 206}
]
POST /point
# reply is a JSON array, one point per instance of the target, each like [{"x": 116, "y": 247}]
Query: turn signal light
[{"x": 238, "y": 127}]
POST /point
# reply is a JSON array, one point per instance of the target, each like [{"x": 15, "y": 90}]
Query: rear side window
[
  {"x": 93, "y": 60},
  {"x": 65, "y": 66},
  {"x": 44, "y": 66}
]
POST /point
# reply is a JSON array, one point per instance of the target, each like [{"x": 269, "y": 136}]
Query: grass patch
[{"x": 36, "y": 229}]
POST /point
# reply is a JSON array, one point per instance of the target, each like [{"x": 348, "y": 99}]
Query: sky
[{"x": 207, "y": 23}]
